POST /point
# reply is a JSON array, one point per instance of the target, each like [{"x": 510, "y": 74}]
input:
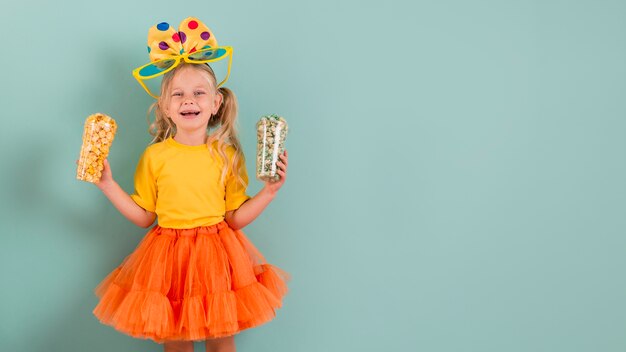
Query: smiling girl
[{"x": 195, "y": 276}]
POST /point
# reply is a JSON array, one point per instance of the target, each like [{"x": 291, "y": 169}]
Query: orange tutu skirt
[{"x": 191, "y": 284}]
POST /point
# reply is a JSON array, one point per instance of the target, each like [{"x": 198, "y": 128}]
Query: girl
[{"x": 195, "y": 276}]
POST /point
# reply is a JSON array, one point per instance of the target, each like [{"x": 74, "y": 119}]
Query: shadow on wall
[
  {"x": 72, "y": 224},
  {"x": 83, "y": 225}
]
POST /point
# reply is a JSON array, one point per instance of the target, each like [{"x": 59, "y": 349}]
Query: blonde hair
[{"x": 224, "y": 122}]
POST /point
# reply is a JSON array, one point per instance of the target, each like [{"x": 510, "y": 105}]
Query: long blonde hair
[{"x": 223, "y": 123}]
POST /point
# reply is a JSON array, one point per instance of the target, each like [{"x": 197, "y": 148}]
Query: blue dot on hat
[{"x": 163, "y": 26}]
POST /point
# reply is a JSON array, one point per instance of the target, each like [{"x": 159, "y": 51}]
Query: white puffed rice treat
[{"x": 271, "y": 135}]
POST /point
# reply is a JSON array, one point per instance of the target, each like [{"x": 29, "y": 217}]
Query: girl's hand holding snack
[
  {"x": 107, "y": 177},
  {"x": 281, "y": 169}
]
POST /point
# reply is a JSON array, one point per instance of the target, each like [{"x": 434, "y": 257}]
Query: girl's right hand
[{"x": 107, "y": 177}]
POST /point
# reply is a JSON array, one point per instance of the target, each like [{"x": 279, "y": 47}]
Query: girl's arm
[
  {"x": 122, "y": 201},
  {"x": 253, "y": 207}
]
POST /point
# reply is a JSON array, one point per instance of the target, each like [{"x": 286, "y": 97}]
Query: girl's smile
[{"x": 190, "y": 113}]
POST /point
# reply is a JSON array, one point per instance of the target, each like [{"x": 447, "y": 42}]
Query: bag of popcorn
[
  {"x": 271, "y": 134},
  {"x": 97, "y": 138}
]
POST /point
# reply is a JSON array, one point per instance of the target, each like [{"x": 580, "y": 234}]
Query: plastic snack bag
[
  {"x": 271, "y": 134},
  {"x": 97, "y": 138}
]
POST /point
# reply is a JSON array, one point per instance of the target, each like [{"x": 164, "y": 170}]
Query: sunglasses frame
[{"x": 184, "y": 57}]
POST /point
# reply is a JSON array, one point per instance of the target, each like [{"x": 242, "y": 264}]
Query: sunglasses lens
[
  {"x": 207, "y": 54},
  {"x": 156, "y": 68}
]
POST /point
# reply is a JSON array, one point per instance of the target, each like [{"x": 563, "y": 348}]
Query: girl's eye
[
  {"x": 199, "y": 92},
  {"x": 177, "y": 94}
]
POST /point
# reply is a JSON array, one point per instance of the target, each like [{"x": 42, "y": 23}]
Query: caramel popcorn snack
[
  {"x": 271, "y": 134},
  {"x": 97, "y": 138}
]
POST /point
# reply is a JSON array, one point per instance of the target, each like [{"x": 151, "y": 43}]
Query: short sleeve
[
  {"x": 235, "y": 191},
  {"x": 145, "y": 184}
]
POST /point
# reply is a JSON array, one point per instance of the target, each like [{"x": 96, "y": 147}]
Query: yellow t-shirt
[{"x": 181, "y": 184}]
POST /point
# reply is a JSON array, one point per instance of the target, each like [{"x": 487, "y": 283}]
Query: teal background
[{"x": 456, "y": 178}]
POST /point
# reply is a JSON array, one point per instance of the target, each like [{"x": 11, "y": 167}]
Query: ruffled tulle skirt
[{"x": 191, "y": 284}]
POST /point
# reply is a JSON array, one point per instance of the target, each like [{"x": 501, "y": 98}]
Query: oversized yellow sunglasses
[{"x": 161, "y": 67}]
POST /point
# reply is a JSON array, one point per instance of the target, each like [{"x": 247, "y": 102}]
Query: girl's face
[{"x": 191, "y": 100}]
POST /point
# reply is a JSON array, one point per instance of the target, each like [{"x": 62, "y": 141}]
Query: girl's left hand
[{"x": 273, "y": 187}]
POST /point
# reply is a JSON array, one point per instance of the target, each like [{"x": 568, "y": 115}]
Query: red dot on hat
[
  {"x": 175, "y": 37},
  {"x": 193, "y": 24}
]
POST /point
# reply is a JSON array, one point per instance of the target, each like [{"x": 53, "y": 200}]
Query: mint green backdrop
[{"x": 456, "y": 178}]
